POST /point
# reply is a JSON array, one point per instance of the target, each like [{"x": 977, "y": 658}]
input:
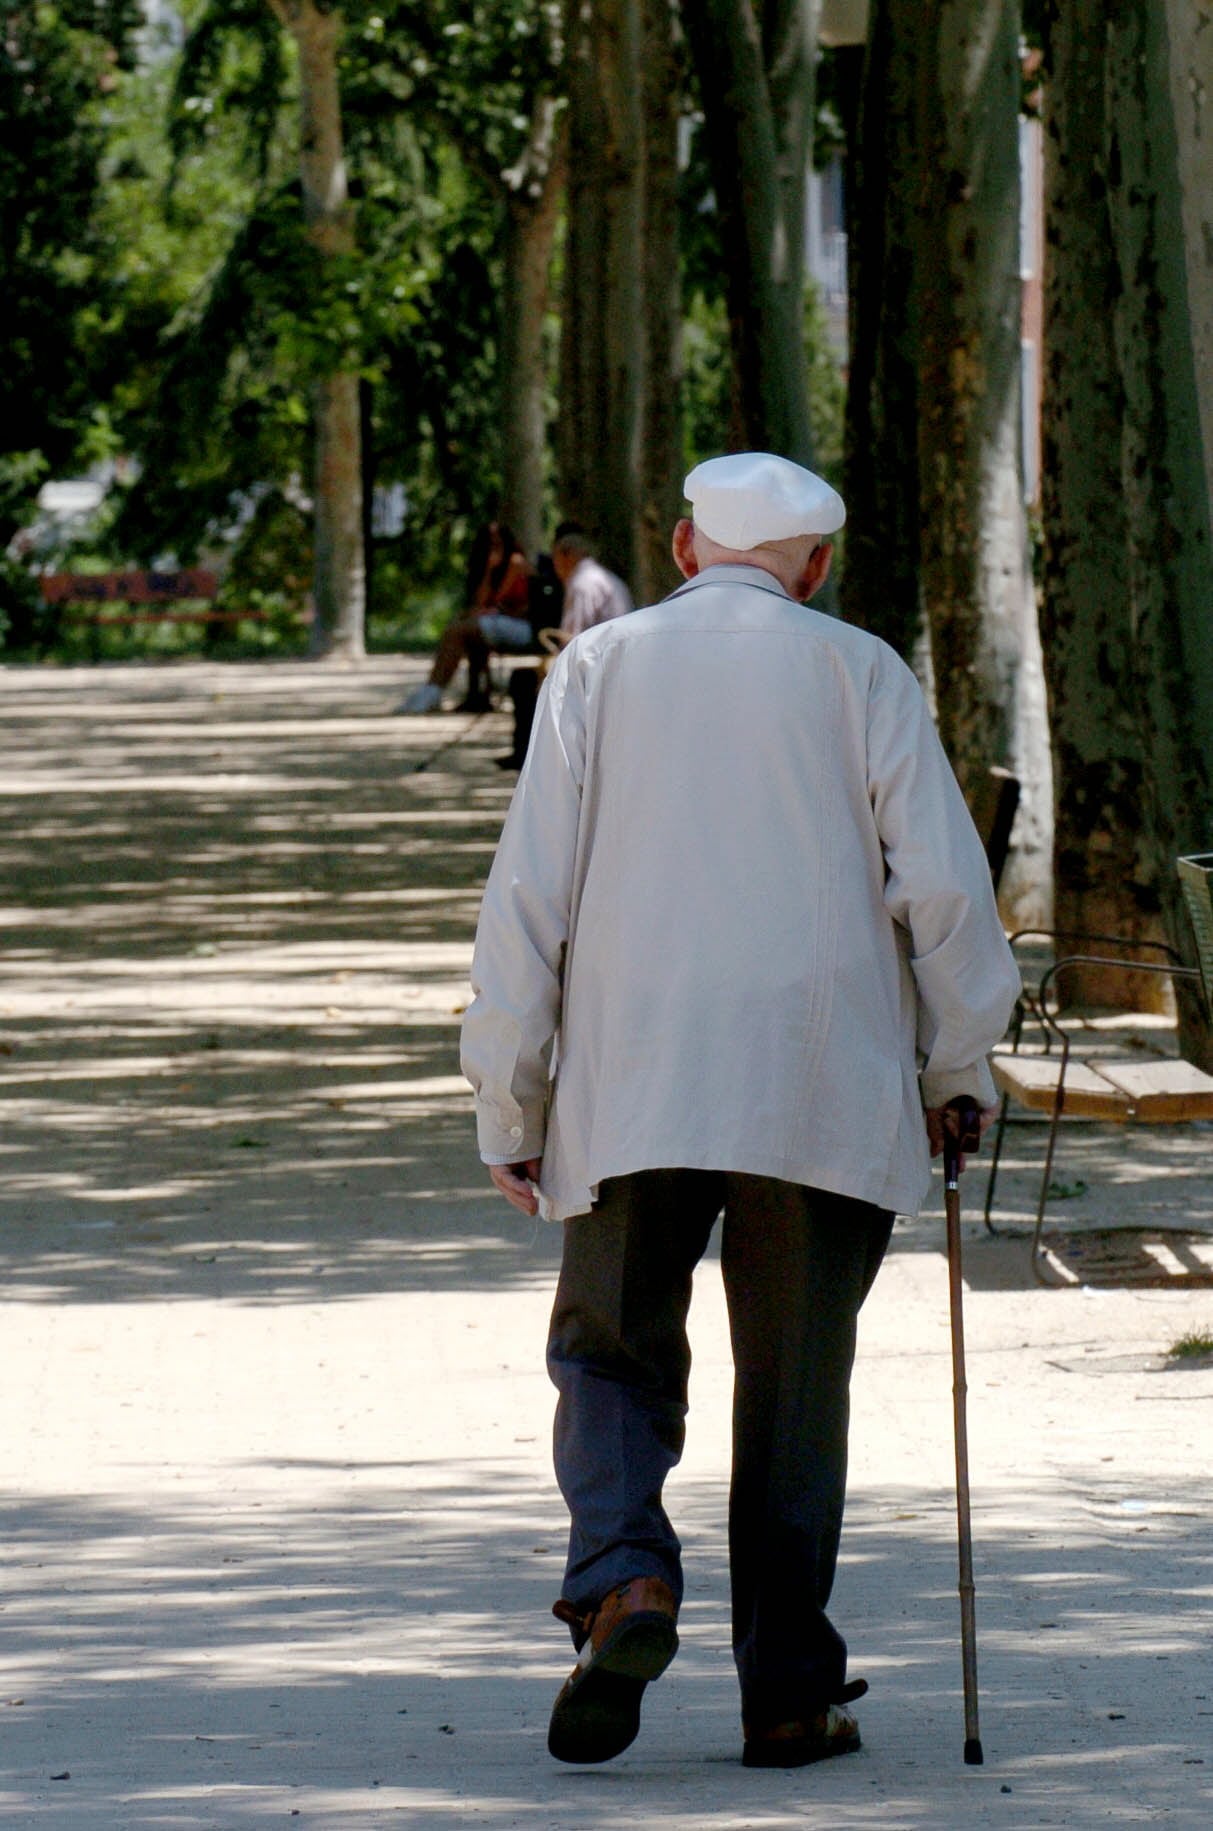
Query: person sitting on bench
[{"x": 498, "y": 597}]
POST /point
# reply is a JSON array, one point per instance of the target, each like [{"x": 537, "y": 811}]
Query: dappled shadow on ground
[
  {"x": 237, "y": 921},
  {"x": 236, "y": 927},
  {"x": 324, "y": 1158},
  {"x": 221, "y": 1650},
  {"x": 237, "y": 924},
  {"x": 1128, "y": 1205}
]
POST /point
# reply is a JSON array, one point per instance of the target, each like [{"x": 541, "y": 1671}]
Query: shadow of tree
[
  {"x": 219, "y": 1654},
  {"x": 240, "y": 906},
  {"x": 238, "y": 915}
]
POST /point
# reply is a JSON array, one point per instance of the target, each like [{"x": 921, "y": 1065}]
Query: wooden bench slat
[
  {"x": 1165, "y": 1092},
  {"x": 1032, "y": 1080},
  {"x": 1162, "y": 1091}
]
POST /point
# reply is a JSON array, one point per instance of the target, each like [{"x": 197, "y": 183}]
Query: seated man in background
[{"x": 591, "y": 595}]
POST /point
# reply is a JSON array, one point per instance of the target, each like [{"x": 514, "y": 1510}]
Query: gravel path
[{"x": 281, "y": 1533}]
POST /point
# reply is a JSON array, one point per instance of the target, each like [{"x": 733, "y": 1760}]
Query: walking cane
[{"x": 967, "y": 1138}]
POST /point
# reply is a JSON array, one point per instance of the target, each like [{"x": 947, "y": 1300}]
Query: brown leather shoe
[
  {"x": 833, "y": 1731},
  {"x": 629, "y": 1640}
]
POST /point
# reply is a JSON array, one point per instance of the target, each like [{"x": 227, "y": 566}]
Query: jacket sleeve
[
  {"x": 518, "y": 962},
  {"x": 938, "y": 888}
]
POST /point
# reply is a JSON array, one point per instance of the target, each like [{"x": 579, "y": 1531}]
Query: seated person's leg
[
  {"x": 470, "y": 639},
  {"x": 454, "y": 645},
  {"x": 497, "y": 633},
  {"x": 476, "y": 650},
  {"x": 524, "y": 691}
]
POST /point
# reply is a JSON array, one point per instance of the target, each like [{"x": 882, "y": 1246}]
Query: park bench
[
  {"x": 125, "y": 599},
  {"x": 1054, "y": 1079}
]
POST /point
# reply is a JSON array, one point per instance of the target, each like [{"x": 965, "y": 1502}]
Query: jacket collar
[{"x": 734, "y": 575}]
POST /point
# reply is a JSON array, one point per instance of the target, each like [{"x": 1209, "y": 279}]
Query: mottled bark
[
  {"x": 975, "y": 572},
  {"x": 880, "y": 582},
  {"x": 1190, "y": 27},
  {"x": 969, "y": 368},
  {"x": 619, "y": 436},
  {"x": 533, "y": 190},
  {"x": 339, "y": 586},
  {"x": 602, "y": 337},
  {"x": 1103, "y": 880},
  {"x": 583, "y": 303},
  {"x": 789, "y": 39},
  {"x": 763, "y": 276},
  {"x": 661, "y": 447},
  {"x": 1166, "y": 468}
]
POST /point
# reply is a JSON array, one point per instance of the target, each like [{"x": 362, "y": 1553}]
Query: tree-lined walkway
[{"x": 280, "y": 1530}]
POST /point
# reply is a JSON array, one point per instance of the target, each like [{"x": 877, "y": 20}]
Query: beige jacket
[{"x": 739, "y": 917}]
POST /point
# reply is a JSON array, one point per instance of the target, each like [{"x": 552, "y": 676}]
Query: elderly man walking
[{"x": 738, "y": 950}]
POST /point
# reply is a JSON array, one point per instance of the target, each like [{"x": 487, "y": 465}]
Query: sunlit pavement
[{"x": 281, "y": 1535}]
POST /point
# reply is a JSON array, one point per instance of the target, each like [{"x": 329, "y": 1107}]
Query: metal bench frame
[{"x": 1175, "y": 1097}]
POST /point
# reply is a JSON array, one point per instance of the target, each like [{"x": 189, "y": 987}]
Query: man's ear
[
  {"x": 684, "y": 548},
  {"x": 816, "y": 572}
]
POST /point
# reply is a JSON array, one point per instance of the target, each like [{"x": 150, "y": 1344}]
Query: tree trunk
[
  {"x": 1104, "y": 882},
  {"x": 339, "y": 586},
  {"x": 602, "y": 341},
  {"x": 1154, "y": 156},
  {"x": 533, "y": 188},
  {"x": 976, "y": 575},
  {"x": 762, "y": 272},
  {"x": 789, "y": 40},
  {"x": 661, "y": 461},
  {"x": 1191, "y": 33},
  {"x": 583, "y": 303},
  {"x": 880, "y": 581}
]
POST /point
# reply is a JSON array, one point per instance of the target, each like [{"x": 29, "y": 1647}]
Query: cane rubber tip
[{"x": 973, "y": 1754}]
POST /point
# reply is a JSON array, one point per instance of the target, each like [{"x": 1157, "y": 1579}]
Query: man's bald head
[{"x": 800, "y": 562}]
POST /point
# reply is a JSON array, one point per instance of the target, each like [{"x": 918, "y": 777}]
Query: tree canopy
[{"x": 314, "y": 292}]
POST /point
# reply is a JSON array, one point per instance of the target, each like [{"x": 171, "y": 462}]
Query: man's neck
[{"x": 744, "y": 563}]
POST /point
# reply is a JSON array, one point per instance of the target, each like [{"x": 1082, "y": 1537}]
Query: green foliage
[
  {"x": 224, "y": 410},
  {"x": 114, "y": 23},
  {"x": 270, "y": 569},
  {"x": 435, "y": 399},
  {"x": 171, "y": 309},
  {"x": 465, "y": 76},
  {"x": 231, "y": 81},
  {"x": 706, "y": 378},
  {"x": 221, "y": 404},
  {"x": 827, "y": 388},
  {"x": 56, "y": 64},
  {"x": 706, "y": 362},
  {"x": 471, "y": 68},
  {"x": 829, "y": 124},
  {"x": 707, "y": 382},
  {"x": 1197, "y": 1344}
]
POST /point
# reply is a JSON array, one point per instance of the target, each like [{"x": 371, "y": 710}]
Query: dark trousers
[
  {"x": 797, "y": 1265},
  {"x": 524, "y": 692}
]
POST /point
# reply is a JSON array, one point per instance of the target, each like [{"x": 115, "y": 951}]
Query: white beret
[{"x": 753, "y": 496}]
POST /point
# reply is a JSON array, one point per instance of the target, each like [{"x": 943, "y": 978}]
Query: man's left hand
[{"x": 516, "y": 1181}]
